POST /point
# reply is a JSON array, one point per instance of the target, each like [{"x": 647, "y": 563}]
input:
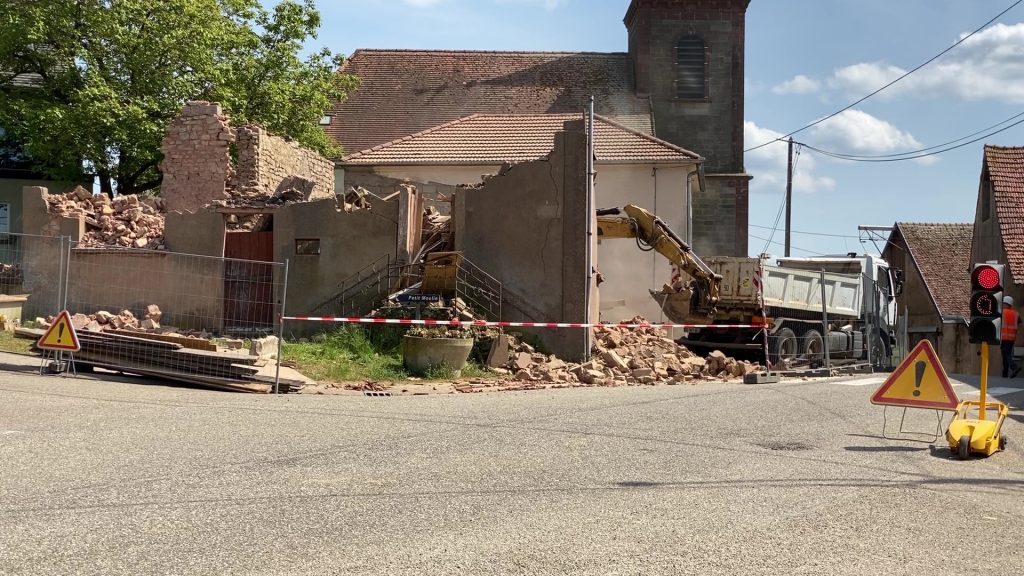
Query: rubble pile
[
  {"x": 125, "y": 221},
  {"x": 125, "y": 320},
  {"x": 356, "y": 199},
  {"x": 626, "y": 357},
  {"x": 437, "y": 230}
]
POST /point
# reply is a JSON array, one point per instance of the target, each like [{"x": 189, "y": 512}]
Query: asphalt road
[{"x": 791, "y": 478}]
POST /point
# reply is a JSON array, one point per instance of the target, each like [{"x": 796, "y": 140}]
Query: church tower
[{"x": 687, "y": 58}]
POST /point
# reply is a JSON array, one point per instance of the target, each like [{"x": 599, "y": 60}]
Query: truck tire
[
  {"x": 879, "y": 352},
  {"x": 812, "y": 347},
  {"x": 784, "y": 346}
]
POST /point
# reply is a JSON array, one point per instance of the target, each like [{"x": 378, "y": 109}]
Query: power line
[
  {"x": 808, "y": 233},
  {"x": 915, "y": 69},
  {"x": 915, "y": 156},
  {"x": 768, "y": 241}
]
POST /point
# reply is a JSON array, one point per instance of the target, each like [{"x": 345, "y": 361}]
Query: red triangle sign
[
  {"x": 60, "y": 335},
  {"x": 919, "y": 381}
]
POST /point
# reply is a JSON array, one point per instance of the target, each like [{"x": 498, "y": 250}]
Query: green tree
[{"x": 94, "y": 83}]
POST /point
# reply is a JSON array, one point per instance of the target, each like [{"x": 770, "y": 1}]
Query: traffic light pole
[{"x": 984, "y": 380}]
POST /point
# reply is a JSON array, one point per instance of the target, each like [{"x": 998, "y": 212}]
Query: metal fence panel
[
  {"x": 159, "y": 313},
  {"x": 31, "y": 275}
]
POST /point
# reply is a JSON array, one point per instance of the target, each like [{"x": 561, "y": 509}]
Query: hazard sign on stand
[
  {"x": 919, "y": 381},
  {"x": 61, "y": 335}
]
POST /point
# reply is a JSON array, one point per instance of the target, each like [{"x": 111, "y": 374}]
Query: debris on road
[{"x": 622, "y": 357}]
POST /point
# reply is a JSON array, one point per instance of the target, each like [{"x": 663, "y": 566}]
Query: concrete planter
[{"x": 421, "y": 354}]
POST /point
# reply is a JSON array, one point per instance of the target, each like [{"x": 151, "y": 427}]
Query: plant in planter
[{"x": 425, "y": 349}]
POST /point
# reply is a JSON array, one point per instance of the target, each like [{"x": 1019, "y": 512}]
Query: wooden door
[{"x": 249, "y": 282}]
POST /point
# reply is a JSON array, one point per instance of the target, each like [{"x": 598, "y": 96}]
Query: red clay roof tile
[
  {"x": 1006, "y": 169},
  {"x": 407, "y": 91},
  {"x": 942, "y": 253},
  {"x": 494, "y": 139}
]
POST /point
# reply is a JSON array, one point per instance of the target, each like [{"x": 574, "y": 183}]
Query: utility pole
[{"x": 789, "y": 194}]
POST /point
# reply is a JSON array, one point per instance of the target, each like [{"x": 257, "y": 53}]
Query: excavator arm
[{"x": 682, "y": 301}]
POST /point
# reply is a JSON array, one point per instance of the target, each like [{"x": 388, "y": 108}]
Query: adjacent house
[
  {"x": 679, "y": 82},
  {"x": 999, "y": 220},
  {"x": 632, "y": 167},
  {"x": 935, "y": 259}
]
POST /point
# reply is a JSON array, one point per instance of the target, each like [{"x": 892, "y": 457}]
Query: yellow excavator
[{"x": 683, "y": 300}]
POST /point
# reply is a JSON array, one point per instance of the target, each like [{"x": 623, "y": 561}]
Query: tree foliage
[{"x": 94, "y": 83}]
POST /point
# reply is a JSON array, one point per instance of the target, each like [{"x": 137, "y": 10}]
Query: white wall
[{"x": 628, "y": 273}]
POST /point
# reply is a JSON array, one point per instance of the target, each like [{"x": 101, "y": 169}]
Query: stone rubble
[
  {"x": 125, "y": 221},
  {"x": 103, "y": 320},
  {"x": 624, "y": 357}
]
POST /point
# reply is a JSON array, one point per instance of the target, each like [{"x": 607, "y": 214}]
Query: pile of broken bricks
[
  {"x": 124, "y": 221},
  {"x": 125, "y": 320},
  {"x": 624, "y": 357}
]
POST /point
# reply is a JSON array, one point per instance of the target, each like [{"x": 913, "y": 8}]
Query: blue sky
[{"x": 805, "y": 60}]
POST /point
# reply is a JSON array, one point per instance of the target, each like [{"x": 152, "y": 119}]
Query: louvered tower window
[{"x": 691, "y": 69}]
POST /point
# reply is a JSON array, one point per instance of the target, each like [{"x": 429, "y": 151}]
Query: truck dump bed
[{"x": 791, "y": 289}]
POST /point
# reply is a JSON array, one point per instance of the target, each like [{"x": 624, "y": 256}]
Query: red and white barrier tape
[{"x": 483, "y": 323}]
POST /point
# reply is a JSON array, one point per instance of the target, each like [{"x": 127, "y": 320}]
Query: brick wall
[{"x": 197, "y": 161}]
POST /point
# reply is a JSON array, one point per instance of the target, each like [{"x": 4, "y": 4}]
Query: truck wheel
[
  {"x": 813, "y": 346},
  {"x": 879, "y": 352},
  {"x": 784, "y": 346}
]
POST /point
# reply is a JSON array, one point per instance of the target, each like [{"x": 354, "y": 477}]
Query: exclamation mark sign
[
  {"x": 60, "y": 337},
  {"x": 919, "y": 368}
]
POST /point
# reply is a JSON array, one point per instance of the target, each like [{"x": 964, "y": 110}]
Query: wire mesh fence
[
  {"x": 191, "y": 318},
  {"x": 32, "y": 280}
]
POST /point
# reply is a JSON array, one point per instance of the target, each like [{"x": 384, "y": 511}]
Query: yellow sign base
[{"x": 968, "y": 436}]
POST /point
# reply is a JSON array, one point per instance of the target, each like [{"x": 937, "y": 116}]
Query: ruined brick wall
[
  {"x": 198, "y": 167},
  {"x": 197, "y": 162},
  {"x": 266, "y": 162}
]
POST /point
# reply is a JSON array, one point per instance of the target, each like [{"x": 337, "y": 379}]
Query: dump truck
[{"x": 786, "y": 297}]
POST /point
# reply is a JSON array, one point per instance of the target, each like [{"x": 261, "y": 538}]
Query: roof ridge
[{"x": 504, "y": 52}]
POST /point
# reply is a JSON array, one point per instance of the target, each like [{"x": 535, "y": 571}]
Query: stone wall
[
  {"x": 197, "y": 161},
  {"x": 198, "y": 168},
  {"x": 265, "y": 163}
]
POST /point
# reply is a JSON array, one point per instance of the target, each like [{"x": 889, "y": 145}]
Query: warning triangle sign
[
  {"x": 919, "y": 381},
  {"x": 60, "y": 335}
]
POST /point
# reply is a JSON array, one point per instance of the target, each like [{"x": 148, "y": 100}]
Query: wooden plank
[{"x": 234, "y": 386}]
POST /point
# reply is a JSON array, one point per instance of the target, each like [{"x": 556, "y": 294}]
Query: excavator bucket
[{"x": 676, "y": 306}]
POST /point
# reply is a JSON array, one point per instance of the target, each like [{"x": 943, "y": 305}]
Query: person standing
[{"x": 1008, "y": 337}]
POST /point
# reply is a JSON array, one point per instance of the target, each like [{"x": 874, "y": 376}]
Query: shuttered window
[{"x": 691, "y": 69}]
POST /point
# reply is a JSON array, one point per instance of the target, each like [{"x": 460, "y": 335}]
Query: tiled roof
[
  {"x": 494, "y": 139},
  {"x": 1006, "y": 170},
  {"x": 942, "y": 253},
  {"x": 402, "y": 92}
]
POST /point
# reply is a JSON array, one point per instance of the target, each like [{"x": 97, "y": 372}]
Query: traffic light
[{"x": 986, "y": 303}]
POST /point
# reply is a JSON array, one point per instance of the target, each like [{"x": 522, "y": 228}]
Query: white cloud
[
  {"x": 768, "y": 164},
  {"x": 987, "y": 66},
  {"x": 799, "y": 84},
  {"x": 860, "y": 133}
]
